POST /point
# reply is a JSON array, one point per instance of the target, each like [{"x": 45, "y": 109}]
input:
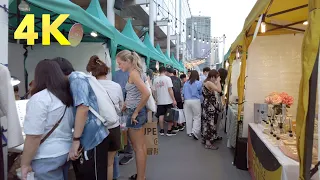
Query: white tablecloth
[
  {"x": 232, "y": 126},
  {"x": 290, "y": 167}
]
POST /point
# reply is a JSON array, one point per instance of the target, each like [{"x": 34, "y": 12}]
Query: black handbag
[
  {"x": 83, "y": 165},
  {"x": 172, "y": 115}
]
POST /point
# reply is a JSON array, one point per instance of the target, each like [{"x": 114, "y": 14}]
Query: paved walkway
[{"x": 182, "y": 158}]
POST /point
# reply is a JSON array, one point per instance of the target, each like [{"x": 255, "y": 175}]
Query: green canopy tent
[
  {"x": 168, "y": 61},
  {"x": 175, "y": 61},
  {"x": 136, "y": 45},
  {"x": 182, "y": 66},
  {"x": 128, "y": 39},
  {"x": 55, "y": 8},
  {"x": 154, "y": 53}
]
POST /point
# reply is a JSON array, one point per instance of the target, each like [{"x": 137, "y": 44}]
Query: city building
[{"x": 198, "y": 37}]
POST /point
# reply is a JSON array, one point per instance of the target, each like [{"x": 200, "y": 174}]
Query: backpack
[{"x": 107, "y": 113}]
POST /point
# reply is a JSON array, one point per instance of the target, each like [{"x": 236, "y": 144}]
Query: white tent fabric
[{"x": 274, "y": 64}]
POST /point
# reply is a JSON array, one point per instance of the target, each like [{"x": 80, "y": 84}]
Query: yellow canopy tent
[{"x": 285, "y": 17}]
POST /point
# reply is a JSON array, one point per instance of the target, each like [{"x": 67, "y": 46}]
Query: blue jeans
[
  {"x": 51, "y": 168},
  {"x": 141, "y": 118}
]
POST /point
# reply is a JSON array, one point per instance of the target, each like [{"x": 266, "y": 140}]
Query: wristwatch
[{"x": 76, "y": 138}]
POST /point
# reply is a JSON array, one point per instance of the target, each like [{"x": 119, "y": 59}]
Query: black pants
[{"x": 96, "y": 167}]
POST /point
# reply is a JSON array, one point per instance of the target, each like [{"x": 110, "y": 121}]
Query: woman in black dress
[{"x": 211, "y": 108}]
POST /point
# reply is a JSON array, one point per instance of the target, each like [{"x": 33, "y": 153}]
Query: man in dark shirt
[{"x": 177, "y": 86}]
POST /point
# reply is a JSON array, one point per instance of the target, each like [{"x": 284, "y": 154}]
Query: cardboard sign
[{"x": 151, "y": 134}]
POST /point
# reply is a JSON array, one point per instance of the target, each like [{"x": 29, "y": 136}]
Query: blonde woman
[{"x": 137, "y": 96}]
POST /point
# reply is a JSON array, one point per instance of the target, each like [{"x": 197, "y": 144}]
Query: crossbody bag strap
[
  {"x": 110, "y": 98},
  {"x": 54, "y": 127}
]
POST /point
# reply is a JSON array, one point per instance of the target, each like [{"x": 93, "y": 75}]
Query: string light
[{"x": 263, "y": 27}]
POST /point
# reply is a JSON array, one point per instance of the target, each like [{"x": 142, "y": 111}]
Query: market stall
[
  {"x": 99, "y": 38},
  {"x": 281, "y": 25}
]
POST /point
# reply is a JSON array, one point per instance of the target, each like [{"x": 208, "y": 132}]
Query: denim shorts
[{"x": 141, "y": 118}]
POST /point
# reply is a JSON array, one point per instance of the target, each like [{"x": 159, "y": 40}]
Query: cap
[{"x": 170, "y": 70}]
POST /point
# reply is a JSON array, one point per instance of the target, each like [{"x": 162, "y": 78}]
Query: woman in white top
[
  {"x": 51, "y": 101},
  {"x": 100, "y": 70}
]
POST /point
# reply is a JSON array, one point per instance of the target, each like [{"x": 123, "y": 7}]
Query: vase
[{"x": 277, "y": 109}]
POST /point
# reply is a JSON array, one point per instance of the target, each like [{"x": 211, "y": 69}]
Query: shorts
[
  {"x": 141, "y": 118},
  {"x": 180, "y": 105},
  {"x": 114, "y": 139},
  {"x": 162, "y": 109}
]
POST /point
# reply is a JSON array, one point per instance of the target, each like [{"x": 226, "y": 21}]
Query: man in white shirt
[{"x": 162, "y": 86}]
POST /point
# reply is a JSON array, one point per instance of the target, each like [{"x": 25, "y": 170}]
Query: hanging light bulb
[
  {"x": 263, "y": 27},
  {"x": 189, "y": 36},
  {"x": 202, "y": 40},
  {"x": 169, "y": 23},
  {"x": 24, "y": 6},
  {"x": 94, "y": 34},
  {"x": 194, "y": 38},
  {"x": 305, "y": 23},
  {"x": 147, "y": 7},
  {"x": 158, "y": 14},
  {"x": 207, "y": 42},
  {"x": 238, "y": 55}
]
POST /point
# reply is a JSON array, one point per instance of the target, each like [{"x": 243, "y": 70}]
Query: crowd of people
[{"x": 62, "y": 126}]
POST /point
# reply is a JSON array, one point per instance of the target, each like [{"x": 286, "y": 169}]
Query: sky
[{"x": 227, "y": 16}]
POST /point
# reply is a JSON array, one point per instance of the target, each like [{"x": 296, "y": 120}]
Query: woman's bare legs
[
  {"x": 139, "y": 146},
  {"x": 110, "y": 164}
]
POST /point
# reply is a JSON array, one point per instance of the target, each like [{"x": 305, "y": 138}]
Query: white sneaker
[{"x": 195, "y": 136}]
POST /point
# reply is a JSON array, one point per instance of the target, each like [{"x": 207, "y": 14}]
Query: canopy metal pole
[
  {"x": 168, "y": 39},
  {"x": 178, "y": 46},
  {"x": 193, "y": 26},
  {"x": 223, "y": 48},
  {"x": 110, "y": 12},
  {"x": 151, "y": 20},
  {"x": 313, "y": 81},
  {"x": 4, "y": 32},
  {"x": 318, "y": 89}
]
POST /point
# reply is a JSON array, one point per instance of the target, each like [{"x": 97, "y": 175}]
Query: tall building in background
[{"x": 201, "y": 27}]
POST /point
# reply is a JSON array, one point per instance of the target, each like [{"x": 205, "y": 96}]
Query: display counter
[
  {"x": 232, "y": 124},
  {"x": 266, "y": 160}
]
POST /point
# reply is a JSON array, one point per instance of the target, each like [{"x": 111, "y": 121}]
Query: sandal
[
  {"x": 212, "y": 147},
  {"x": 218, "y": 138},
  {"x": 134, "y": 177}
]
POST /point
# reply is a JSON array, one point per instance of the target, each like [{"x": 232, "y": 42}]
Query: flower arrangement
[{"x": 278, "y": 99}]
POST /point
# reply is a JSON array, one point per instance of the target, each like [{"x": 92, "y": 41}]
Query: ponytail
[{"x": 132, "y": 57}]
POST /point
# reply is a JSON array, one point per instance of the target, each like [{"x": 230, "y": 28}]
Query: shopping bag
[
  {"x": 182, "y": 118},
  {"x": 151, "y": 135},
  {"x": 172, "y": 115},
  {"x": 151, "y": 103}
]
